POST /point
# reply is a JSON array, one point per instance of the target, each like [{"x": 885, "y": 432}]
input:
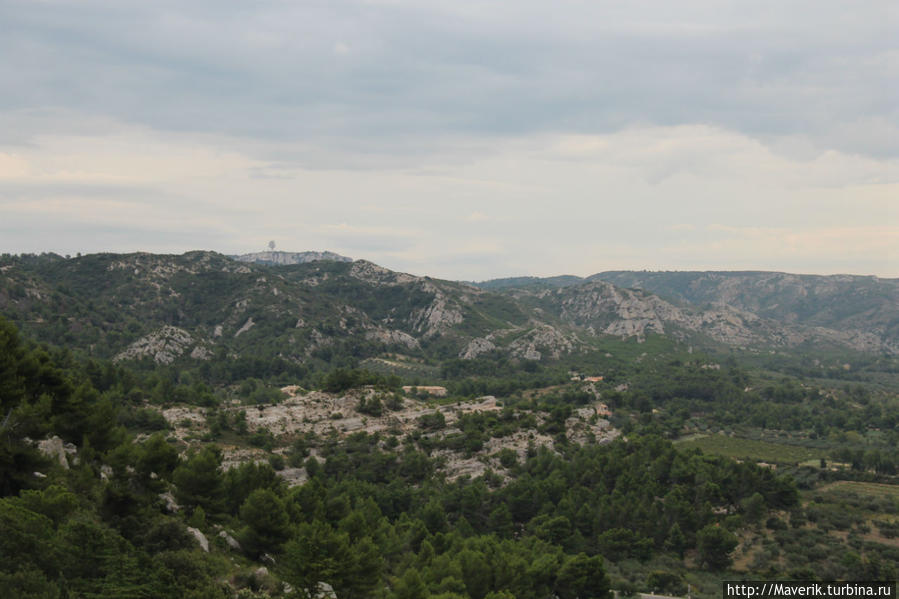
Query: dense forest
[{"x": 129, "y": 511}]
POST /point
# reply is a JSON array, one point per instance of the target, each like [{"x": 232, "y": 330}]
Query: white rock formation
[
  {"x": 476, "y": 347},
  {"x": 200, "y": 537},
  {"x": 164, "y": 346},
  {"x": 391, "y": 337},
  {"x": 231, "y": 541},
  {"x": 55, "y": 449}
]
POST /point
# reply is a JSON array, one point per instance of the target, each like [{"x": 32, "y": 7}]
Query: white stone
[
  {"x": 200, "y": 537},
  {"x": 231, "y": 541}
]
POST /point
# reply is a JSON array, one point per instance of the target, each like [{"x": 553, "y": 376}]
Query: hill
[
  {"x": 199, "y": 304},
  {"x": 736, "y": 308},
  {"x": 165, "y": 306},
  {"x": 839, "y": 302}
]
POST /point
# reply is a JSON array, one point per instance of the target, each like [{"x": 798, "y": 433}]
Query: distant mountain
[
  {"x": 283, "y": 258},
  {"x": 529, "y": 282},
  {"x": 860, "y": 307},
  {"x": 201, "y": 305},
  {"x": 736, "y": 308}
]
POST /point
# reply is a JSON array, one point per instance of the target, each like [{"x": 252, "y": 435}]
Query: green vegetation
[
  {"x": 388, "y": 495},
  {"x": 757, "y": 451}
]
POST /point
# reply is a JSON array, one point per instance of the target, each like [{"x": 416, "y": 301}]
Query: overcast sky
[{"x": 458, "y": 139}]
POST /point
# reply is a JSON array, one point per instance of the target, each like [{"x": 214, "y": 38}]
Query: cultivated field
[{"x": 747, "y": 449}]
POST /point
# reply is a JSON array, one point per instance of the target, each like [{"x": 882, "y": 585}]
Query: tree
[
  {"x": 267, "y": 522},
  {"x": 28, "y": 584},
  {"x": 241, "y": 481},
  {"x": 476, "y": 573},
  {"x": 754, "y": 507},
  {"x": 158, "y": 457},
  {"x": 316, "y": 554},
  {"x": 668, "y": 583},
  {"x": 410, "y": 586},
  {"x": 583, "y": 577},
  {"x": 19, "y": 418},
  {"x": 199, "y": 481},
  {"x": 715, "y": 545},
  {"x": 676, "y": 541}
]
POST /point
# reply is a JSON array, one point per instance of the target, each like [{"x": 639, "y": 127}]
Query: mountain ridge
[{"x": 193, "y": 305}]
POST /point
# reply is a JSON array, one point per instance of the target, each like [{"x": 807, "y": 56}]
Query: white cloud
[
  {"x": 648, "y": 197},
  {"x": 456, "y": 139}
]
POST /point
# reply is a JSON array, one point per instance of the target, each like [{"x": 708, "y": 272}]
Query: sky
[{"x": 457, "y": 139}]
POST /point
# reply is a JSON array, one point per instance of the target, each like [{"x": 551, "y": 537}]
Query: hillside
[
  {"x": 837, "y": 302},
  {"x": 735, "y": 308},
  {"x": 191, "y": 307},
  {"x": 164, "y": 307}
]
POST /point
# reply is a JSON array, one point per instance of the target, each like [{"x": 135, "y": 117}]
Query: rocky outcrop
[
  {"x": 200, "y": 353},
  {"x": 604, "y": 308},
  {"x": 437, "y": 317},
  {"x": 200, "y": 537},
  {"x": 58, "y": 451},
  {"x": 229, "y": 540},
  {"x": 171, "y": 505},
  {"x": 542, "y": 339},
  {"x": 476, "y": 347},
  {"x": 613, "y": 311},
  {"x": 246, "y": 327},
  {"x": 392, "y": 337},
  {"x": 164, "y": 346},
  {"x": 378, "y": 275}
]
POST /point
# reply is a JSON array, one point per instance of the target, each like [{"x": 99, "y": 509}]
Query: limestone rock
[
  {"x": 543, "y": 338},
  {"x": 476, "y": 347},
  {"x": 55, "y": 449},
  {"x": 436, "y": 317},
  {"x": 200, "y": 353},
  {"x": 170, "y": 504},
  {"x": 231, "y": 541},
  {"x": 164, "y": 346},
  {"x": 388, "y": 337},
  {"x": 200, "y": 537},
  {"x": 249, "y": 324}
]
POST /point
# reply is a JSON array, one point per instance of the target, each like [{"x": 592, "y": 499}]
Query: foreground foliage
[{"x": 377, "y": 518}]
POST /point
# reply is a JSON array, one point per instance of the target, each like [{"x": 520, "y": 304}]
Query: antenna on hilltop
[{"x": 271, "y": 245}]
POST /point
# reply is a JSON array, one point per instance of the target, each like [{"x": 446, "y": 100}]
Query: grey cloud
[
  {"x": 40, "y": 191},
  {"x": 69, "y": 236},
  {"x": 368, "y": 245},
  {"x": 373, "y": 76}
]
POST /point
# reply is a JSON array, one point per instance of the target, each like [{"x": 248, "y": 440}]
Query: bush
[
  {"x": 715, "y": 545},
  {"x": 433, "y": 421}
]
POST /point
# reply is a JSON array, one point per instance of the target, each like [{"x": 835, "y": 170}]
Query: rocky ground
[{"x": 327, "y": 414}]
